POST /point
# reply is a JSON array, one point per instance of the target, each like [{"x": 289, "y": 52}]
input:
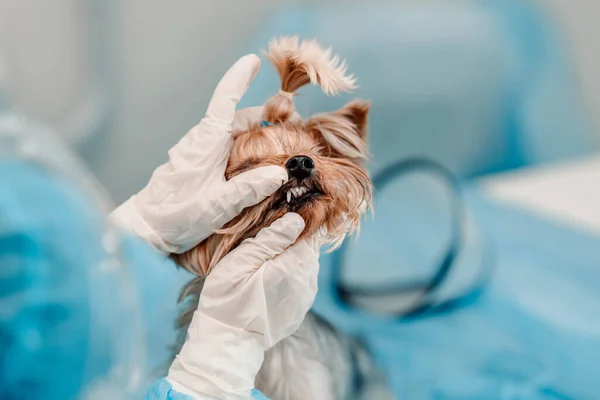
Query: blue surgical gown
[{"x": 162, "y": 390}]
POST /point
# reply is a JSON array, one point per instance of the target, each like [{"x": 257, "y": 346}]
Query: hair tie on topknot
[
  {"x": 266, "y": 123},
  {"x": 288, "y": 95}
]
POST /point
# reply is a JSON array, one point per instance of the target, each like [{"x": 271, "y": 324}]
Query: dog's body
[{"x": 330, "y": 189}]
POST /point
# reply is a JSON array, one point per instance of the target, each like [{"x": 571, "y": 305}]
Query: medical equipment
[
  {"x": 67, "y": 276},
  {"x": 539, "y": 296},
  {"x": 408, "y": 298}
]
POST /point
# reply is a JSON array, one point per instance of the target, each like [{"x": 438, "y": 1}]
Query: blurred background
[
  {"x": 485, "y": 134},
  {"x": 126, "y": 79}
]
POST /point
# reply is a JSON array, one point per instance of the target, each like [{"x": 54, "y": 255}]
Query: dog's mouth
[
  {"x": 299, "y": 195},
  {"x": 295, "y": 195}
]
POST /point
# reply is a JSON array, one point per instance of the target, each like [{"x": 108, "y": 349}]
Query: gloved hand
[
  {"x": 255, "y": 296},
  {"x": 187, "y": 198}
]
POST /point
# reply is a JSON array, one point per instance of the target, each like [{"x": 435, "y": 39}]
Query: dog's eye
[{"x": 244, "y": 166}]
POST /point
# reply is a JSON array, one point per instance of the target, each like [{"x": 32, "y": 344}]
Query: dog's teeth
[{"x": 296, "y": 192}]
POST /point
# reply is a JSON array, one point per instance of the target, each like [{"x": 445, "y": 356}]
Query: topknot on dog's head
[{"x": 298, "y": 64}]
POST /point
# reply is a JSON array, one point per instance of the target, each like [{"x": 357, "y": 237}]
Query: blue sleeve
[
  {"x": 162, "y": 390},
  {"x": 257, "y": 395}
]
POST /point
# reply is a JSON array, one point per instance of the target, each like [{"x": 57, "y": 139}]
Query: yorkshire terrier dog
[{"x": 329, "y": 187}]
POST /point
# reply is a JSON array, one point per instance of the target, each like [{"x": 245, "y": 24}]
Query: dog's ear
[
  {"x": 343, "y": 132},
  {"x": 357, "y": 112}
]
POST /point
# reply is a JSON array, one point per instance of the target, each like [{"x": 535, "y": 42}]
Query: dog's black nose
[{"x": 300, "y": 166}]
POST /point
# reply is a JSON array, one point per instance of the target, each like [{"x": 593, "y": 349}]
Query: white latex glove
[
  {"x": 187, "y": 198},
  {"x": 256, "y": 296}
]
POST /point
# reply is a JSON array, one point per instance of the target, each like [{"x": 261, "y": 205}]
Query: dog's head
[{"x": 323, "y": 155}]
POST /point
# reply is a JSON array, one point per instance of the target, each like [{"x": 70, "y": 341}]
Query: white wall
[
  {"x": 579, "y": 19},
  {"x": 45, "y": 55}
]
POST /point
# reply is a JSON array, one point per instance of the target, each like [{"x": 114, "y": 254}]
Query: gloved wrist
[
  {"x": 218, "y": 360},
  {"x": 128, "y": 217}
]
